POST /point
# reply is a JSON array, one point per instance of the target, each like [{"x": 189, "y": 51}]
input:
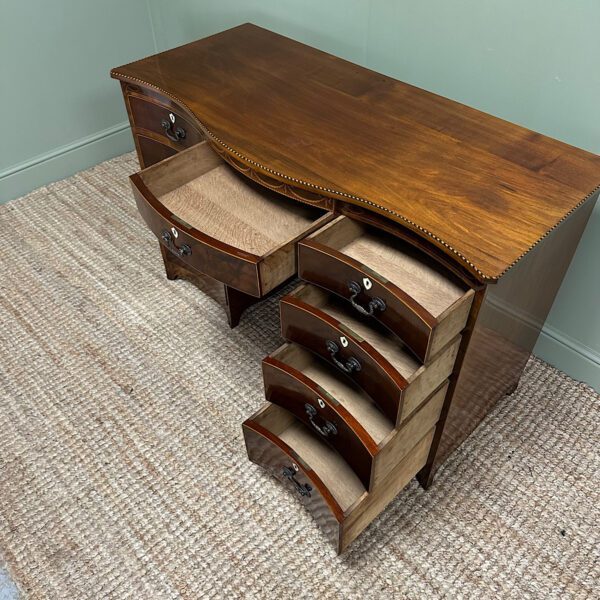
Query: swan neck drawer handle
[
  {"x": 375, "y": 304},
  {"x": 302, "y": 489},
  {"x": 167, "y": 238},
  {"x": 327, "y": 429},
  {"x": 351, "y": 363},
  {"x": 175, "y": 135}
]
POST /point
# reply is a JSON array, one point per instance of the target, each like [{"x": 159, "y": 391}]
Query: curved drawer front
[
  {"x": 383, "y": 301},
  {"x": 200, "y": 252},
  {"x": 222, "y": 224},
  {"x": 312, "y": 328},
  {"x": 342, "y": 415},
  {"x": 315, "y": 473},
  {"x": 371, "y": 356},
  {"x": 170, "y": 127},
  {"x": 320, "y": 479},
  {"x": 320, "y": 411},
  {"x": 415, "y": 299},
  {"x": 279, "y": 460},
  {"x": 151, "y": 151}
]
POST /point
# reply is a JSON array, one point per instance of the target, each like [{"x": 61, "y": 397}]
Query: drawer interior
[
  {"x": 203, "y": 192},
  {"x": 339, "y": 478},
  {"x": 413, "y": 271},
  {"x": 344, "y": 390},
  {"x": 385, "y": 342}
]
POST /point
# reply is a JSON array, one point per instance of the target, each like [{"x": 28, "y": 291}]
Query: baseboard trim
[
  {"x": 76, "y": 145},
  {"x": 558, "y": 337},
  {"x": 558, "y": 348},
  {"x": 567, "y": 354},
  {"x": 64, "y": 161}
]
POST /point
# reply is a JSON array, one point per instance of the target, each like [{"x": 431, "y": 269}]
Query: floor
[{"x": 123, "y": 472}]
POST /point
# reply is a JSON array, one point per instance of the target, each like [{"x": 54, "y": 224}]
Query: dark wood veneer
[
  {"x": 272, "y": 454},
  {"x": 151, "y": 151},
  {"x": 341, "y": 526},
  {"x": 394, "y": 380},
  {"x": 332, "y": 270},
  {"x": 312, "y": 328},
  {"x": 236, "y": 268},
  {"x": 233, "y": 302},
  {"x": 487, "y": 200},
  {"x": 148, "y": 116},
  {"x": 505, "y": 323},
  {"x": 324, "y": 260},
  {"x": 290, "y": 389},
  {"x": 325, "y": 125}
]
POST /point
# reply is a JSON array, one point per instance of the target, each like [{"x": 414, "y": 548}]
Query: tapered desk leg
[
  {"x": 233, "y": 301},
  {"x": 171, "y": 266},
  {"x": 236, "y": 303}
]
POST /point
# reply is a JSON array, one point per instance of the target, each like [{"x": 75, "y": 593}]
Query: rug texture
[{"x": 123, "y": 472}]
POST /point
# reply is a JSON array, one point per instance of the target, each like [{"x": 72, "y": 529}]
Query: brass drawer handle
[
  {"x": 349, "y": 366},
  {"x": 327, "y": 429},
  {"x": 183, "y": 250},
  {"x": 302, "y": 489},
  {"x": 376, "y": 304},
  {"x": 175, "y": 135}
]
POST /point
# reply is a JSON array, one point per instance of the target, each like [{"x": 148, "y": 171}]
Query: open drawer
[
  {"x": 387, "y": 279},
  {"x": 342, "y": 415},
  {"x": 324, "y": 483},
  {"x": 221, "y": 223},
  {"x": 319, "y": 477},
  {"x": 364, "y": 351}
]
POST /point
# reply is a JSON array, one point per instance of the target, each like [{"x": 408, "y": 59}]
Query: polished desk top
[{"x": 483, "y": 190}]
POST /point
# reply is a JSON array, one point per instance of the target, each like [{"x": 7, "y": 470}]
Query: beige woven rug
[{"x": 122, "y": 465}]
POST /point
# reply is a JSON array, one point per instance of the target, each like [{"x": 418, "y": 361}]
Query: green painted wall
[
  {"x": 60, "y": 111},
  {"x": 534, "y": 63}
]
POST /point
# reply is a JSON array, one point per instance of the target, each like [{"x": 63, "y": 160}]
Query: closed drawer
[
  {"x": 364, "y": 351},
  {"x": 319, "y": 477},
  {"x": 169, "y": 126},
  {"x": 387, "y": 280},
  {"x": 221, "y": 223},
  {"x": 342, "y": 415},
  {"x": 151, "y": 151}
]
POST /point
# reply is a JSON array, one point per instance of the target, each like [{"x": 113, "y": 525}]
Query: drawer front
[
  {"x": 202, "y": 253},
  {"x": 277, "y": 458},
  {"x": 219, "y": 222},
  {"x": 318, "y": 410},
  {"x": 387, "y": 280},
  {"x": 151, "y": 152},
  {"x": 169, "y": 126},
  {"x": 322, "y": 481},
  {"x": 370, "y": 294},
  {"x": 312, "y": 328}
]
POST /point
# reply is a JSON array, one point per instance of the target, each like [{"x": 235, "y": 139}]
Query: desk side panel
[{"x": 504, "y": 325}]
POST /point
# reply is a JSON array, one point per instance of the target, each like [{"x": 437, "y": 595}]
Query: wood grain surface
[
  {"x": 419, "y": 300},
  {"x": 222, "y": 205},
  {"x": 341, "y": 390},
  {"x": 222, "y": 217},
  {"x": 483, "y": 190},
  {"x": 291, "y": 389},
  {"x": 391, "y": 376},
  {"x": 272, "y": 454}
]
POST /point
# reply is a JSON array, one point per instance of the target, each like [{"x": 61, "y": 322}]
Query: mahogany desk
[{"x": 433, "y": 239}]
